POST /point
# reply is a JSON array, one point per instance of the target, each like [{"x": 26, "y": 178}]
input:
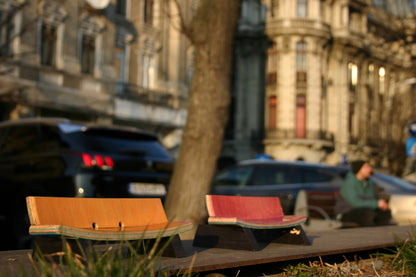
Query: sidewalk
[{"x": 329, "y": 242}]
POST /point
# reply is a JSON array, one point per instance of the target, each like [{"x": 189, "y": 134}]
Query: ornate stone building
[
  {"x": 114, "y": 62},
  {"x": 336, "y": 77}
]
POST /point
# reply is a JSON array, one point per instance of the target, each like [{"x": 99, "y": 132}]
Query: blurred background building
[
  {"x": 111, "y": 62},
  {"x": 313, "y": 80},
  {"x": 339, "y": 81}
]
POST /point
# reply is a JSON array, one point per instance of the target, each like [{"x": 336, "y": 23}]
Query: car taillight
[
  {"x": 109, "y": 161},
  {"x": 87, "y": 158},
  {"x": 97, "y": 160}
]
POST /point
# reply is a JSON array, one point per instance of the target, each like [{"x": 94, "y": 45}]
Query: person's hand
[{"x": 383, "y": 205}]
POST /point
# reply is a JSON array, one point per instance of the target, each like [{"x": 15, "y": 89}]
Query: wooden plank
[{"x": 322, "y": 243}]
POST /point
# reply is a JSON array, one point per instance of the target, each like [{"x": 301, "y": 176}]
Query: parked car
[
  {"x": 286, "y": 179},
  {"x": 277, "y": 178},
  {"x": 402, "y": 199},
  {"x": 56, "y": 157}
]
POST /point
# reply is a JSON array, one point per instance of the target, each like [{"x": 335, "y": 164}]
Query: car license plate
[{"x": 147, "y": 189}]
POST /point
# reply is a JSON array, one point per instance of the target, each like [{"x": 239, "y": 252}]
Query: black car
[
  {"x": 56, "y": 157},
  {"x": 283, "y": 179}
]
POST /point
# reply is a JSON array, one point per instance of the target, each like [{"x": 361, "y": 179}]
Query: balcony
[
  {"x": 321, "y": 139},
  {"x": 150, "y": 96}
]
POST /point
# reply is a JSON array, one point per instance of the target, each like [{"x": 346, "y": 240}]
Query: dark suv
[{"x": 55, "y": 157}]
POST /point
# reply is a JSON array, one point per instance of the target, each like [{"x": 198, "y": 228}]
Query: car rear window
[
  {"x": 282, "y": 174},
  {"x": 237, "y": 176},
  {"x": 118, "y": 142}
]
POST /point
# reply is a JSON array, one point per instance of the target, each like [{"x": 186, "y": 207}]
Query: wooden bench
[
  {"x": 319, "y": 208},
  {"x": 248, "y": 223},
  {"x": 102, "y": 219},
  {"x": 322, "y": 203}
]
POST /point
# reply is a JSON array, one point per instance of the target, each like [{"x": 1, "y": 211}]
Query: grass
[
  {"x": 122, "y": 259},
  {"x": 404, "y": 256},
  {"x": 398, "y": 261}
]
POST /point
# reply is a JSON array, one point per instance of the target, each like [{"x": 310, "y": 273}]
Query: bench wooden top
[
  {"x": 101, "y": 218},
  {"x": 249, "y": 211}
]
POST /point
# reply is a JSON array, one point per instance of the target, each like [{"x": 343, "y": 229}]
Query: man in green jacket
[{"x": 358, "y": 203}]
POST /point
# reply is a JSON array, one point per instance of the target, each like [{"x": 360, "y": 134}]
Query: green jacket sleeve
[{"x": 358, "y": 194}]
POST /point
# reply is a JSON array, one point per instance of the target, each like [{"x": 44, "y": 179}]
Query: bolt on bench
[
  {"x": 101, "y": 219},
  {"x": 248, "y": 223}
]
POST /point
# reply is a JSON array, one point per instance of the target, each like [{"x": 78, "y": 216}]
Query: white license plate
[{"x": 147, "y": 189}]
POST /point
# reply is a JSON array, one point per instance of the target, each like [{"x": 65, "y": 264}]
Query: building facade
[
  {"x": 245, "y": 131},
  {"x": 337, "y": 78},
  {"x": 111, "y": 62}
]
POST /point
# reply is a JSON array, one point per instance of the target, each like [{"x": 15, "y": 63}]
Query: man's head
[{"x": 361, "y": 169}]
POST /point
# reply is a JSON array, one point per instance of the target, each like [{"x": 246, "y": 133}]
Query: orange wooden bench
[
  {"x": 243, "y": 222},
  {"x": 102, "y": 219}
]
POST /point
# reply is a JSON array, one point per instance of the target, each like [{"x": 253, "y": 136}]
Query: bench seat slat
[
  {"x": 260, "y": 223},
  {"x": 248, "y": 223},
  {"x": 249, "y": 211},
  {"x": 113, "y": 233},
  {"x": 100, "y": 218}
]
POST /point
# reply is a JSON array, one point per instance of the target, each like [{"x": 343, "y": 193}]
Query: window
[
  {"x": 148, "y": 70},
  {"x": 237, "y": 176},
  {"x": 48, "y": 44},
  {"x": 148, "y": 11},
  {"x": 351, "y": 118},
  {"x": 300, "y": 116},
  {"x": 50, "y": 34},
  {"x": 315, "y": 175},
  {"x": 272, "y": 64},
  {"x": 90, "y": 42},
  {"x": 272, "y": 112},
  {"x": 121, "y": 7},
  {"x": 6, "y": 31},
  {"x": 352, "y": 76},
  {"x": 87, "y": 54},
  {"x": 301, "y": 56},
  {"x": 301, "y": 76},
  {"x": 119, "y": 62},
  {"x": 381, "y": 80},
  {"x": 274, "y": 9},
  {"x": 370, "y": 74},
  {"x": 190, "y": 59},
  {"x": 302, "y": 7},
  {"x": 270, "y": 175}
]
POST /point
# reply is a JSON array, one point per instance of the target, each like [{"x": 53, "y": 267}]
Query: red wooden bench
[
  {"x": 243, "y": 222},
  {"x": 101, "y": 219}
]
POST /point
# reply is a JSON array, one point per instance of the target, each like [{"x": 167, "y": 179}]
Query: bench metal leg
[
  {"x": 225, "y": 236},
  {"x": 52, "y": 248},
  {"x": 291, "y": 235},
  {"x": 173, "y": 246},
  {"x": 236, "y": 237}
]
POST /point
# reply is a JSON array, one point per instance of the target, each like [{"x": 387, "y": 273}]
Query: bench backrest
[
  {"x": 245, "y": 207},
  {"x": 104, "y": 212}
]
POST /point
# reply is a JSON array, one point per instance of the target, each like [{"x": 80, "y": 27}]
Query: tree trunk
[{"x": 212, "y": 34}]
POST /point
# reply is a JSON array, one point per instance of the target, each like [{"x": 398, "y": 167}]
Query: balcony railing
[
  {"x": 150, "y": 96},
  {"x": 290, "y": 134},
  {"x": 84, "y": 84}
]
